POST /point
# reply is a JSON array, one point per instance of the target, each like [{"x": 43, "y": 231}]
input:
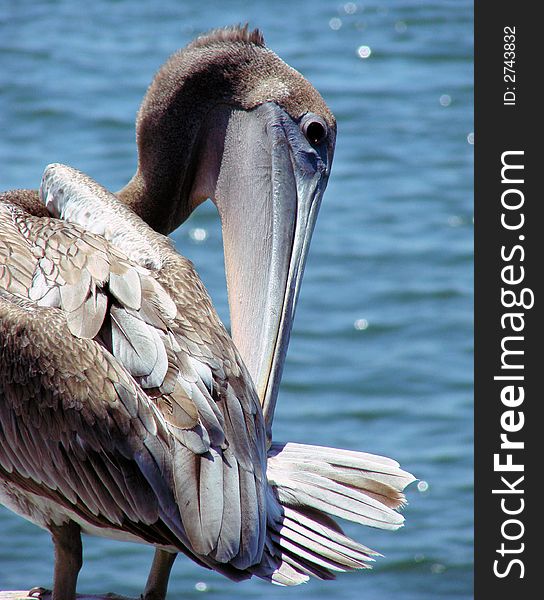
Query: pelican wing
[
  {"x": 178, "y": 421},
  {"x": 75, "y": 425}
]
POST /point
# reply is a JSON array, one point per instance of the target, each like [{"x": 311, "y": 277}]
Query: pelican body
[{"x": 126, "y": 409}]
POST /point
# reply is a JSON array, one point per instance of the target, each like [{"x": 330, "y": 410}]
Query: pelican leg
[
  {"x": 68, "y": 559},
  {"x": 157, "y": 581}
]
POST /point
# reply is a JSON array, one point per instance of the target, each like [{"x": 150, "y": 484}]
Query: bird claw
[
  {"x": 38, "y": 592},
  {"x": 41, "y": 593}
]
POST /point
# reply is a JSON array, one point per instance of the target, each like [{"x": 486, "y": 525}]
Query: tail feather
[
  {"x": 330, "y": 497},
  {"x": 333, "y": 538},
  {"x": 309, "y": 483},
  {"x": 289, "y": 573}
]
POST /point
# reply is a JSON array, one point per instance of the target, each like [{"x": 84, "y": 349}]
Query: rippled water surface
[{"x": 381, "y": 353}]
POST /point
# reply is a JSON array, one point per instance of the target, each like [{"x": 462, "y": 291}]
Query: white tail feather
[{"x": 308, "y": 483}]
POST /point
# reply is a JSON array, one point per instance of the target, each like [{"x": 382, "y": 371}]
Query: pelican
[{"x": 126, "y": 408}]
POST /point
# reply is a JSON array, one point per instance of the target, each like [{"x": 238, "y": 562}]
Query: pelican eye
[{"x": 314, "y": 128}]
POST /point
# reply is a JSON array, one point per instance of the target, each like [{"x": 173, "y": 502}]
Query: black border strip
[{"x": 508, "y": 270}]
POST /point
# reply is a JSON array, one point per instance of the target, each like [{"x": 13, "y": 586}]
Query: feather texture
[
  {"x": 155, "y": 449},
  {"x": 124, "y": 404},
  {"x": 309, "y": 483}
]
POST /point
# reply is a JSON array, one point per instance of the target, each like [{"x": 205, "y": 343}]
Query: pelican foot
[
  {"x": 151, "y": 596},
  {"x": 108, "y": 596},
  {"x": 40, "y": 593}
]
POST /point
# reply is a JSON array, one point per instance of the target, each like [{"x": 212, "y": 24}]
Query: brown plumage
[
  {"x": 58, "y": 292},
  {"x": 126, "y": 410}
]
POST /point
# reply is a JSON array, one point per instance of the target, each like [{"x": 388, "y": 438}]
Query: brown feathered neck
[{"x": 231, "y": 67}]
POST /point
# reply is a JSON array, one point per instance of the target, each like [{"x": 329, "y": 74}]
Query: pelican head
[{"x": 226, "y": 119}]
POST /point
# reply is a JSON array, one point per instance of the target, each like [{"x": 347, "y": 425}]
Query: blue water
[{"x": 381, "y": 352}]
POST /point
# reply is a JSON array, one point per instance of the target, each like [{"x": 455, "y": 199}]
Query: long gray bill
[{"x": 268, "y": 194}]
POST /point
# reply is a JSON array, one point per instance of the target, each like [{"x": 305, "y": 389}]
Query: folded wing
[{"x": 124, "y": 400}]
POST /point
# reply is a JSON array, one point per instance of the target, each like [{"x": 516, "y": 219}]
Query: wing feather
[
  {"x": 228, "y": 544},
  {"x": 86, "y": 320},
  {"x": 186, "y": 480},
  {"x": 126, "y": 288},
  {"x": 211, "y": 502}
]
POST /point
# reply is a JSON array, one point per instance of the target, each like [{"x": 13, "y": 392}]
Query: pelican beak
[{"x": 268, "y": 194}]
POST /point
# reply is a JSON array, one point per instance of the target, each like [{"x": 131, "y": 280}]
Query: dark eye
[{"x": 314, "y": 128}]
